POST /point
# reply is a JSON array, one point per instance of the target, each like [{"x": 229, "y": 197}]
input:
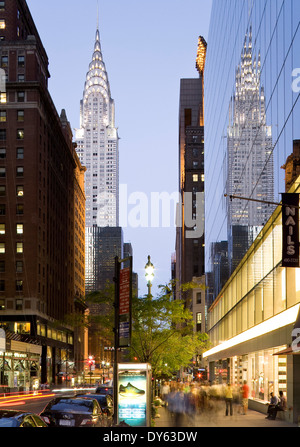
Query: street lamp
[{"x": 149, "y": 274}]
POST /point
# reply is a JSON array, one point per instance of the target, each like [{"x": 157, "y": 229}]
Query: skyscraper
[
  {"x": 98, "y": 150},
  {"x": 249, "y": 157},
  {"x": 263, "y": 124},
  {"x": 97, "y": 145}
]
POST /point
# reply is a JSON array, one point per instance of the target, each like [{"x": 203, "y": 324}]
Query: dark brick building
[{"x": 37, "y": 172}]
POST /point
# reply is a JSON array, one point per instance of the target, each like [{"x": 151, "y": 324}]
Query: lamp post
[{"x": 149, "y": 274}]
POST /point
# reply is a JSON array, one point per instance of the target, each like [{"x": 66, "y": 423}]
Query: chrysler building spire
[{"x": 97, "y": 144}]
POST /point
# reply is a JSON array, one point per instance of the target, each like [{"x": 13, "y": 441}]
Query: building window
[
  {"x": 20, "y": 228},
  {"x": 20, "y": 115},
  {"x": 2, "y": 5},
  {"x": 20, "y": 191},
  {"x": 20, "y": 153},
  {"x": 21, "y": 78},
  {"x": 20, "y": 209},
  {"x": 21, "y": 61},
  {"x": 2, "y": 116},
  {"x": 2, "y": 190},
  {"x": 2, "y": 247},
  {"x": 2, "y": 152},
  {"x": 19, "y": 285},
  {"x": 2, "y": 24},
  {"x": 2, "y": 266},
  {"x": 2, "y": 304},
  {"x": 21, "y": 96},
  {"x": 2, "y": 228},
  {"x": 20, "y": 134},
  {"x": 2, "y": 171},
  {"x": 19, "y": 247},
  {"x": 20, "y": 171},
  {"x": 19, "y": 266},
  {"x": 19, "y": 304},
  {"x": 2, "y": 134},
  {"x": 195, "y": 178},
  {"x": 2, "y": 209},
  {"x": 3, "y": 98},
  {"x": 198, "y": 297},
  {"x": 4, "y": 61},
  {"x": 2, "y": 286}
]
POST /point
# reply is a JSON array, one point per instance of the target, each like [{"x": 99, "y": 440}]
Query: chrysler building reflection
[{"x": 250, "y": 172}]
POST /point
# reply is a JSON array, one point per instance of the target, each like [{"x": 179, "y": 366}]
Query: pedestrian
[
  {"x": 228, "y": 399},
  {"x": 272, "y": 404},
  {"x": 245, "y": 397},
  {"x": 164, "y": 392},
  {"x": 178, "y": 407},
  {"x": 280, "y": 406}
]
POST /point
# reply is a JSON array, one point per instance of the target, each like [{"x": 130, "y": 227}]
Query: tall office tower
[
  {"x": 249, "y": 157},
  {"x": 190, "y": 231},
  {"x": 264, "y": 106},
  {"x": 98, "y": 150},
  {"x": 37, "y": 203},
  {"x": 98, "y": 145}
]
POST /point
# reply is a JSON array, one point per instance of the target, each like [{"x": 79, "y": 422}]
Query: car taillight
[{"x": 87, "y": 422}]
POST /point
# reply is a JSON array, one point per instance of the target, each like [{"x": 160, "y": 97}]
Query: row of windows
[
  {"x": 19, "y": 190},
  {"x": 19, "y": 287},
  {"x": 19, "y": 153},
  {"x": 19, "y": 247},
  {"x": 19, "y": 209},
  {"x": 19, "y": 267},
  {"x": 4, "y": 61},
  {"x": 19, "y": 228},
  {"x": 19, "y": 134},
  {"x": 3, "y": 116}
]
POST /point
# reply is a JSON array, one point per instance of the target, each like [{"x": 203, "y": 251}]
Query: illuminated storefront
[
  {"x": 250, "y": 324},
  {"x": 20, "y": 365}
]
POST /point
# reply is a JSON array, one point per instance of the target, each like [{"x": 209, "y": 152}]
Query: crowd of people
[{"x": 186, "y": 401}]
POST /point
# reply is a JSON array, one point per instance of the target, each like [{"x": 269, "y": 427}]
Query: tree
[{"x": 162, "y": 333}]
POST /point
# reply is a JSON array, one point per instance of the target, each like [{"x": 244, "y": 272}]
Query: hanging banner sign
[
  {"x": 290, "y": 230},
  {"x": 125, "y": 290}
]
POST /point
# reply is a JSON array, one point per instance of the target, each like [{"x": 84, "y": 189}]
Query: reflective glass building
[{"x": 252, "y": 117}]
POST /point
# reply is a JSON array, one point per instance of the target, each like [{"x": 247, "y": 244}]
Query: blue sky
[{"x": 147, "y": 47}]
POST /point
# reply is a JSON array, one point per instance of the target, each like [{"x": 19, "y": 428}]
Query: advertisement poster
[{"x": 132, "y": 398}]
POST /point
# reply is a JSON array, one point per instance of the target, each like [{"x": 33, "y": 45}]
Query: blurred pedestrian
[
  {"x": 228, "y": 399},
  {"x": 245, "y": 397}
]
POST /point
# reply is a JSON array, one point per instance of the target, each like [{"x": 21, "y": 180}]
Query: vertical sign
[
  {"x": 125, "y": 290},
  {"x": 290, "y": 230}
]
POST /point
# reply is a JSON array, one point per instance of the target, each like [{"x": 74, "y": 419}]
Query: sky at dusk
[{"x": 147, "y": 47}]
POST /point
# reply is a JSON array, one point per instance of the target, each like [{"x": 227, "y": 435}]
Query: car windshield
[
  {"x": 7, "y": 422},
  {"x": 71, "y": 406}
]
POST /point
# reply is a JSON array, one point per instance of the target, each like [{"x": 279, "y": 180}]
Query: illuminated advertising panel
[{"x": 133, "y": 394}]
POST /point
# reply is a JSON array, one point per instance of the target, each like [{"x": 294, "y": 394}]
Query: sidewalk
[{"x": 218, "y": 419}]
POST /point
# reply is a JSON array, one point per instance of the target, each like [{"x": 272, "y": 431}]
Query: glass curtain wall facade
[
  {"x": 250, "y": 323},
  {"x": 252, "y": 116}
]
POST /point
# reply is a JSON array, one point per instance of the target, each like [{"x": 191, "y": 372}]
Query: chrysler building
[
  {"x": 249, "y": 157},
  {"x": 97, "y": 145}
]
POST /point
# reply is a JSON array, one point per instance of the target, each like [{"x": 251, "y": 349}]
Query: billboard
[{"x": 134, "y": 384}]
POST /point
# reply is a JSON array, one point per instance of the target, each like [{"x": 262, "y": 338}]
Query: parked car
[
  {"x": 17, "y": 418},
  {"x": 73, "y": 412},
  {"x": 107, "y": 406},
  {"x": 105, "y": 389}
]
